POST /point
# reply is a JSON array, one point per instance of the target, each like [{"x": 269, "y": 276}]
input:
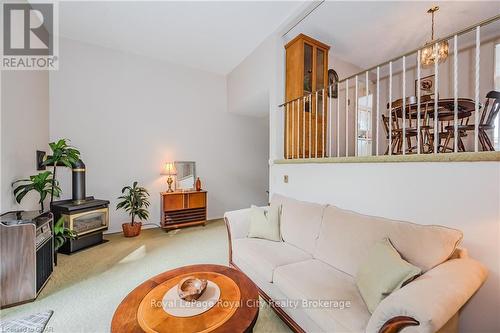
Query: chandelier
[{"x": 432, "y": 49}]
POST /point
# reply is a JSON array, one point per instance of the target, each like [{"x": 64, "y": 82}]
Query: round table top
[
  {"x": 236, "y": 311},
  {"x": 445, "y": 108}
]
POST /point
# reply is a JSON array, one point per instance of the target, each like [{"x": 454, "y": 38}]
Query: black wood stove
[{"x": 86, "y": 216}]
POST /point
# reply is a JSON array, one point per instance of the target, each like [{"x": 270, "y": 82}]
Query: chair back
[
  {"x": 491, "y": 108},
  {"x": 385, "y": 121}
]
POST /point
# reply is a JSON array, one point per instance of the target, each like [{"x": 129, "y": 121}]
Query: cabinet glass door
[{"x": 308, "y": 68}]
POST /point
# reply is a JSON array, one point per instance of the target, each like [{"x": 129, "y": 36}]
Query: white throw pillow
[{"x": 265, "y": 223}]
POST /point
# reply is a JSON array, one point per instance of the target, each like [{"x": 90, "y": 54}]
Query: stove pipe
[{"x": 78, "y": 182}]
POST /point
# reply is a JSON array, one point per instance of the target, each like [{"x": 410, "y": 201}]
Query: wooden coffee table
[{"x": 236, "y": 311}]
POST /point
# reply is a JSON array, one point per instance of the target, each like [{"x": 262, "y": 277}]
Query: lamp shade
[{"x": 169, "y": 169}]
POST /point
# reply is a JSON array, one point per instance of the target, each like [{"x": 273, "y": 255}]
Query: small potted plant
[{"x": 135, "y": 201}]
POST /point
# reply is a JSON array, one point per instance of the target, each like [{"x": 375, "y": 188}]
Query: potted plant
[
  {"x": 135, "y": 201},
  {"x": 61, "y": 235},
  {"x": 62, "y": 154},
  {"x": 43, "y": 183}
]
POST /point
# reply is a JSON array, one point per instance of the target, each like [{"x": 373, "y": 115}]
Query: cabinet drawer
[
  {"x": 173, "y": 202},
  {"x": 197, "y": 200}
]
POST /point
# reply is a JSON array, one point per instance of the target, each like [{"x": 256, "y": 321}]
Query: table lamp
[{"x": 169, "y": 170}]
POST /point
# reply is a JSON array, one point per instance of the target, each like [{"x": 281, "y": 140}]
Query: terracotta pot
[{"x": 131, "y": 230}]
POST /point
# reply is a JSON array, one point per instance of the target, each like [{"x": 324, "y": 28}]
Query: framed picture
[
  {"x": 333, "y": 78},
  {"x": 426, "y": 85}
]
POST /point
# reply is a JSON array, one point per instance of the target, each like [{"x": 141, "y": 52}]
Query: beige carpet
[{"x": 86, "y": 287}]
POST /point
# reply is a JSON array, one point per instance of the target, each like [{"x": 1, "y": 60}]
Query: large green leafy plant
[
  {"x": 43, "y": 183},
  {"x": 61, "y": 234},
  {"x": 135, "y": 201},
  {"x": 62, "y": 155}
]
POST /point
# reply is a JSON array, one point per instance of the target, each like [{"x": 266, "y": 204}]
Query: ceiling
[
  {"x": 369, "y": 33},
  {"x": 212, "y": 36}
]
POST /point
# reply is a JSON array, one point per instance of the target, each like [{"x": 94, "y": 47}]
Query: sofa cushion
[
  {"x": 313, "y": 280},
  {"x": 381, "y": 272},
  {"x": 346, "y": 237},
  {"x": 265, "y": 255},
  {"x": 300, "y": 221},
  {"x": 265, "y": 223}
]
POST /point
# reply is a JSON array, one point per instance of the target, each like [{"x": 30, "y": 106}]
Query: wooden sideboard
[{"x": 183, "y": 209}]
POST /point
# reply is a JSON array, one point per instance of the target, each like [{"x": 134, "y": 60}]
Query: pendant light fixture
[{"x": 428, "y": 54}]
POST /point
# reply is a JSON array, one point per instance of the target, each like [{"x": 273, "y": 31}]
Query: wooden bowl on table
[{"x": 191, "y": 288}]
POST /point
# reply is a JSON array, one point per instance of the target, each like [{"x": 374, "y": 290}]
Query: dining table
[{"x": 445, "y": 108}]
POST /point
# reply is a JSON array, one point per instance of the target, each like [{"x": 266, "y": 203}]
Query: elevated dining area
[
  {"x": 429, "y": 126},
  {"x": 439, "y": 99}
]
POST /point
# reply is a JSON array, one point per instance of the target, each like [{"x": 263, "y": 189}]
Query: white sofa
[{"x": 308, "y": 278}]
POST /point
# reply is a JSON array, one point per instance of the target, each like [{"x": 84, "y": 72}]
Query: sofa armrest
[
  {"x": 432, "y": 299},
  {"x": 237, "y": 222}
]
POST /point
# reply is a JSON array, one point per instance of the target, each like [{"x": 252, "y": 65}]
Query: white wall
[
  {"x": 24, "y": 129},
  {"x": 129, "y": 114},
  {"x": 465, "y": 196},
  {"x": 248, "y": 88}
]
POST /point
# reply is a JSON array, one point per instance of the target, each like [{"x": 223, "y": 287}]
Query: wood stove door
[{"x": 87, "y": 222}]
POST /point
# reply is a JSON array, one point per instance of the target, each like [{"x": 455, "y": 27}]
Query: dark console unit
[{"x": 27, "y": 255}]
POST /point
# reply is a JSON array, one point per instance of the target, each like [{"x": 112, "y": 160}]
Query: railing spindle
[
  {"x": 316, "y": 127},
  {"x": 455, "y": 93},
  {"x": 403, "y": 108},
  {"x": 310, "y": 125},
  {"x": 356, "y": 125},
  {"x": 287, "y": 135},
  {"x": 377, "y": 105},
  {"x": 476, "y": 95},
  {"x": 346, "y": 117},
  {"x": 390, "y": 108},
  {"x": 304, "y": 128},
  {"x": 330, "y": 87},
  {"x": 324, "y": 114},
  {"x": 369, "y": 124},
  {"x": 436, "y": 92},
  {"x": 338, "y": 119},
  {"x": 293, "y": 130},
  {"x": 297, "y": 146},
  {"x": 418, "y": 103}
]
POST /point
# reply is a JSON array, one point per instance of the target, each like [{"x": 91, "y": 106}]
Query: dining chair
[
  {"x": 411, "y": 129},
  {"x": 486, "y": 123},
  {"x": 396, "y": 135}
]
